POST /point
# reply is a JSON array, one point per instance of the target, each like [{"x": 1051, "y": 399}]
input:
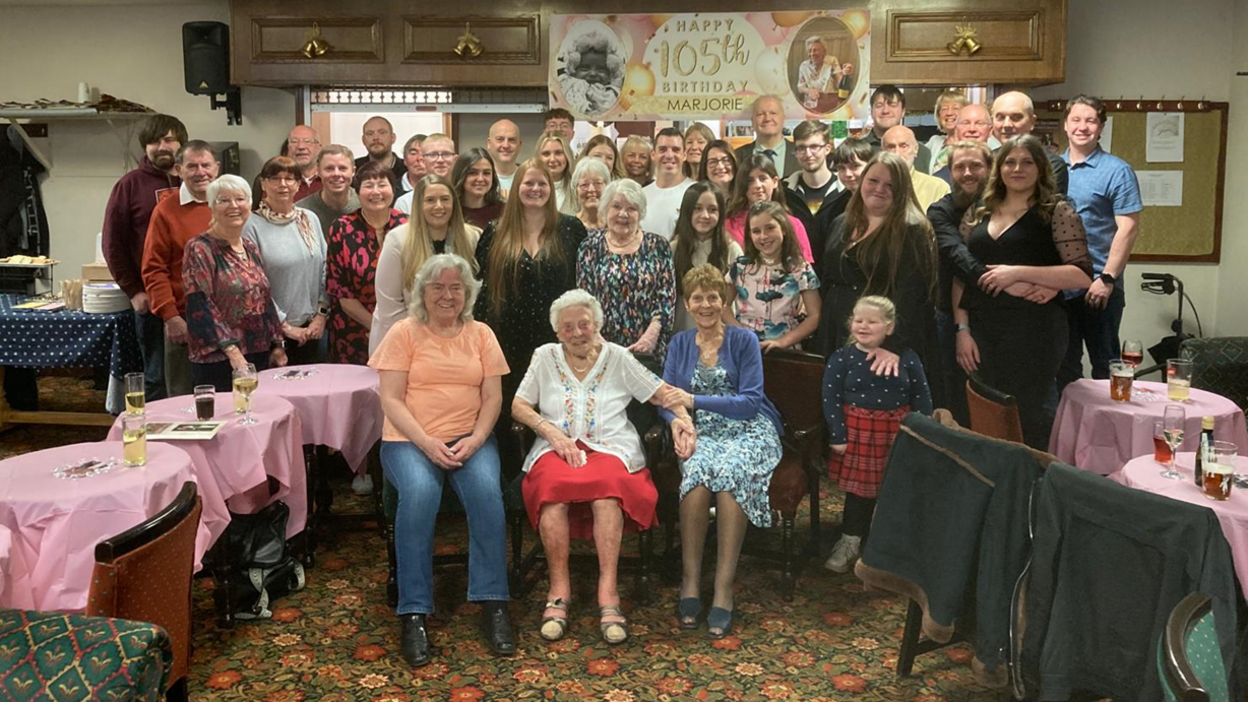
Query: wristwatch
[
  {"x": 323, "y": 310},
  {"x": 1107, "y": 279},
  {"x": 962, "y": 326}
]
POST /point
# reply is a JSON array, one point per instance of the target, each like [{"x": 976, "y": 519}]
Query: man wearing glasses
[
  {"x": 888, "y": 109},
  {"x": 439, "y": 152},
  {"x": 814, "y": 185},
  {"x": 303, "y": 145}
]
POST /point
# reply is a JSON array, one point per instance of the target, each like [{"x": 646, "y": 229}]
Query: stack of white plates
[{"x": 104, "y": 298}]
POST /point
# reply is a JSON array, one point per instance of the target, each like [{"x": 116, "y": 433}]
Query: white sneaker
[
  {"x": 844, "y": 553},
  {"x": 362, "y": 485}
]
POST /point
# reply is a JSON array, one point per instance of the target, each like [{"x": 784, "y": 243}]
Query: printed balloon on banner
[
  {"x": 771, "y": 72},
  {"x": 638, "y": 82},
  {"x": 790, "y": 19},
  {"x": 858, "y": 22}
]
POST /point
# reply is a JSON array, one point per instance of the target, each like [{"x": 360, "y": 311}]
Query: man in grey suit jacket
[{"x": 768, "y": 119}]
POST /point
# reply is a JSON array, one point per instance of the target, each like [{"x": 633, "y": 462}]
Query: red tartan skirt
[
  {"x": 870, "y": 437},
  {"x": 552, "y": 481}
]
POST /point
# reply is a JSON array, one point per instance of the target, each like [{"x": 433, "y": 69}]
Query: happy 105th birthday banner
[{"x": 711, "y": 65}]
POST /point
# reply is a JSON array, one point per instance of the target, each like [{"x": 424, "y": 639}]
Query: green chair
[
  {"x": 1188, "y": 657},
  {"x": 1220, "y": 365}
]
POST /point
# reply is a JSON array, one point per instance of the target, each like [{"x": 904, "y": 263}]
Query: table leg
[
  {"x": 223, "y": 595},
  {"x": 312, "y": 468},
  {"x": 324, "y": 493}
]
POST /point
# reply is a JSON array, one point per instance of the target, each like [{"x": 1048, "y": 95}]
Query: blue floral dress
[
  {"x": 732, "y": 455},
  {"x": 769, "y": 298}
]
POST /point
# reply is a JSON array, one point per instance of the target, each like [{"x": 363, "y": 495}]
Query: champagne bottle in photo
[{"x": 1206, "y": 440}]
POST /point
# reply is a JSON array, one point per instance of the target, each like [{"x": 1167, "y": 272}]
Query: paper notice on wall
[
  {"x": 1165, "y": 137},
  {"x": 1107, "y": 136},
  {"x": 1161, "y": 188}
]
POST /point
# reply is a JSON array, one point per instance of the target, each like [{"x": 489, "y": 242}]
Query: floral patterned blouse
[
  {"x": 351, "y": 263},
  {"x": 769, "y": 298},
  {"x": 632, "y": 289},
  {"x": 228, "y": 301}
]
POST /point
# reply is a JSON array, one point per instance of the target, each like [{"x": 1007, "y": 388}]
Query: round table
[
  {"x": 1099, "y": 435},
  {"x": 6, "y": 544},
  {"x": 55, "y": 523},
  {"x": 234, "y": 466},
  {"x": 339, "y": 405},
  {"x": 1144, "y": 473}
]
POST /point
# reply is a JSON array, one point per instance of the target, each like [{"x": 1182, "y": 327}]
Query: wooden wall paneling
[
  {"x": 506, "y": 40},
  {"x": 351, "y": 39}
]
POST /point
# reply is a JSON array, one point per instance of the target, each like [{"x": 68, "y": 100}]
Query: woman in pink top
[
  {"x": 757, "y": 180},
  {"x": 441, "y": 391}
]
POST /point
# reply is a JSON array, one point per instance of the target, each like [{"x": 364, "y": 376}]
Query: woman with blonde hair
[
  {"x": 603, "y": 148},
  {"x": 638, "y": 162},
  {"x": 554, "y": 153},
  {"x": 1034, "y": 245},
  {"x": 438, "y": 227},
  {"x": 882, "y": 245},
  {"x": 589, "y": 181},
  {"x": 697, "y": 137}
]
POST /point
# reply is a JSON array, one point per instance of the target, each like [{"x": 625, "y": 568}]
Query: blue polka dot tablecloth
[{"x": 66, "y": 339}]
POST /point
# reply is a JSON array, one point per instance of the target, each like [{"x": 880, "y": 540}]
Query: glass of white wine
[
  {"x": 134, "y": 439},
  {"x": 135, "y": 393},
  {"x": 246, "y": 380},
  {"x": 1175, "y": 418}
]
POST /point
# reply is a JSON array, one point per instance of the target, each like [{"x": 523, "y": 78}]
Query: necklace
[
  {"x": 627, "y": 243},
  {"x": 708, "y": 348},
  {"x": 581, "y": 370},
  {"x": 769, "y": 261}
]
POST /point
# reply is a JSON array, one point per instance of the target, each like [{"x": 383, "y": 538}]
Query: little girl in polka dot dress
[{"x": 864, "y": 413}]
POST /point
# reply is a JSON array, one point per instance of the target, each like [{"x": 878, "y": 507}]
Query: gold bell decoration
[
  {"x": 468, "y": 46},
  {"x": 315, "y": 46},
  {"x": 965, "y": 41}
]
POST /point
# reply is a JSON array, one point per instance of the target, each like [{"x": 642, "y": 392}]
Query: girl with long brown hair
[
  {"x": 700, "y": 239},
  {"x": 758, "y": 181},
  {"x": 603, "y": 148},
  {"x": 1034, "y": 245}
]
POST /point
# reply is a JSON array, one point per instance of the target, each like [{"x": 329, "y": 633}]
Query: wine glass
[
  {"x": 245, "y": 382},
  {"x": 1175, "y": 418},
  {"x": 1133, "y": 352}
]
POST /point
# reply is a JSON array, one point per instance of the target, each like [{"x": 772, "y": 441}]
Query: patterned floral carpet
[{"x": 338, "y": 641}]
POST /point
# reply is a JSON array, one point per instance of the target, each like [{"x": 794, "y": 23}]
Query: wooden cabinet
[{"x": 968, "y": 42}]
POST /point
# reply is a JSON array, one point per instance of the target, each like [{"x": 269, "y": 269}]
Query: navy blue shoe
[
  {"x": 718, "y": 622},
  {"x": 689, "y": 611}
]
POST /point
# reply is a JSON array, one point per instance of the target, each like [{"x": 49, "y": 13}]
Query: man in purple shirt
[{"x": 126, "y": 218}]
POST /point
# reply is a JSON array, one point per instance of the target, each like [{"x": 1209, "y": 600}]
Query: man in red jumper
[{"x": 126, "y": 218}]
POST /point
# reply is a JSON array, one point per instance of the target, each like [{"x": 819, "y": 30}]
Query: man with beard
[
  {"x": 126, "y": 218},
  {"x": 974, "y": 124},
  {"x": 970, "y": 163},
  {"x": 378, "y": 140},
  {"x": 175, "y": 221},
  {"x": 337, "y": 197}
]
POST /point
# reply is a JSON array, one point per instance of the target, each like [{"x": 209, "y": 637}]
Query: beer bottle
[{"x": 1206, "y": 440}]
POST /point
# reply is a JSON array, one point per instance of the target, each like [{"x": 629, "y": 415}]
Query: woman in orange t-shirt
[{"x": 441, "y": 391}]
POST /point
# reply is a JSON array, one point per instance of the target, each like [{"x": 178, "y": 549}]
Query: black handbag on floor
[{"x": 261, "y": 565}]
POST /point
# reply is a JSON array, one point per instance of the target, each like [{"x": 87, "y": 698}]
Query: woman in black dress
[
  {"x": 527, "y": 259},
  {"x": 1034, "y": 245},
  {"x": 882, "y": 245}
]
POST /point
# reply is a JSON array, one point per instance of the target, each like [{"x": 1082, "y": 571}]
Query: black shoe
[
  {"x": 496, "y": 628},
  {"x": 415, "y": 640}
]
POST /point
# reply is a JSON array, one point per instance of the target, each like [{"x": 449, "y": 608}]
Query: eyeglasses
[
  {"x": 439, "y": 155},
  {"x": 809, "y": 148},
  {"x": 723, "y": 162},
  {"x": 590, "y": 185},
  {"x": 296, "y": 142}
]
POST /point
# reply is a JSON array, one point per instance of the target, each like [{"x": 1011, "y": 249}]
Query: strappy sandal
[
  {"x": 613, "y": 632},
  {"x": 554, "y": 628}
]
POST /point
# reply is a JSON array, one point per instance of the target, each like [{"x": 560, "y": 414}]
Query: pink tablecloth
[
  {"x": 234, "y": 466},
  {"x": 1100, "y": 435},
  {"x": 6, "y": 543},
  {"x": 1145, "y": 474},
  {"x": 55, "y": 523},
  {"x": 340, "y": 406}
]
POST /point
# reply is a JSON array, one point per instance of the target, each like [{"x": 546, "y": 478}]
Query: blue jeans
[
  {"x": 1096, "y": 329},
  {"x": 419, "y": 483}
]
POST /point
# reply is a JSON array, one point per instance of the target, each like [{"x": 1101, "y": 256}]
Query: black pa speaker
[{"x": 206, "y": 57}]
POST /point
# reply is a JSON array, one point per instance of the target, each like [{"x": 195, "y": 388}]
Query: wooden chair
[
  {"x": 1189, "y": 642},
  {"x": 144, "y": 574},
  {"x": 793, "y": 380},
  {"x": 993, "y": 413}
]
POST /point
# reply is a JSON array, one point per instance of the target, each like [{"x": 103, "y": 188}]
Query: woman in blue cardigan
[{"x": 727, "y": 452}]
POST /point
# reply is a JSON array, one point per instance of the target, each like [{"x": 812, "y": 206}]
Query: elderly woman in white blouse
[{"x": 586, "y": 475}]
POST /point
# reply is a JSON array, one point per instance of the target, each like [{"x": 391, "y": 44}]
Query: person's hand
[
  {"x": 848, "y": 68},
  {"x": 1020, "y": 290},
  {"x": 883, "y": 361},
  {"x": 567, "y": 449},
  {"x": 678, "y": 398},
  {"x": 237, "y": 360},
  {"x": 438, "y": 453},
  {"x": 684, "y": 437},
  {"x": 316, "y": 328},
  {"x": 277, "y": 357},
  {"x": 967, "y": 351},
  {"x": 463, "y": 449},
  {"x": 139, "y": 303},
  {"x": 999, "y": 278},
  {"x": 1098, "y": 294},
  {"x": 1042, "y": 295},
  {"x": 777, "y": 343},
  {"x": 295, "y": 334},
  {"x": 175, "y": 329},
  {"x": 838, "y": 448}
]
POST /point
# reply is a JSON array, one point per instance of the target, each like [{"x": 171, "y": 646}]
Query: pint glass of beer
[
  {"x": 1219, "y": 470},
  {"x": 1178, "y": 379},
  {"x": 1121, "y": 375}
]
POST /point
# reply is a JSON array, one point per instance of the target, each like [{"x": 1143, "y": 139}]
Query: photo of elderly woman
[
  {"x": 823, "y": 53},
  {"x": 590, "y": 69}
]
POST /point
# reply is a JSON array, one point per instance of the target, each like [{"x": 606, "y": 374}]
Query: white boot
[{"x": 844, "y": 553}]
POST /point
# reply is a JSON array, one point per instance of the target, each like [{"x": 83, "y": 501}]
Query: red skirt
[
  {"x": 870, "y": 437},
  {"x": 552, "y": 481}
]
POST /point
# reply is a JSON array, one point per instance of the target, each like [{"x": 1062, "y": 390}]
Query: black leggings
[
  {"x": 856, "y": 519},
  {"x": 1020, "y": 351},
  {"x": 220, "y": 375}
]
